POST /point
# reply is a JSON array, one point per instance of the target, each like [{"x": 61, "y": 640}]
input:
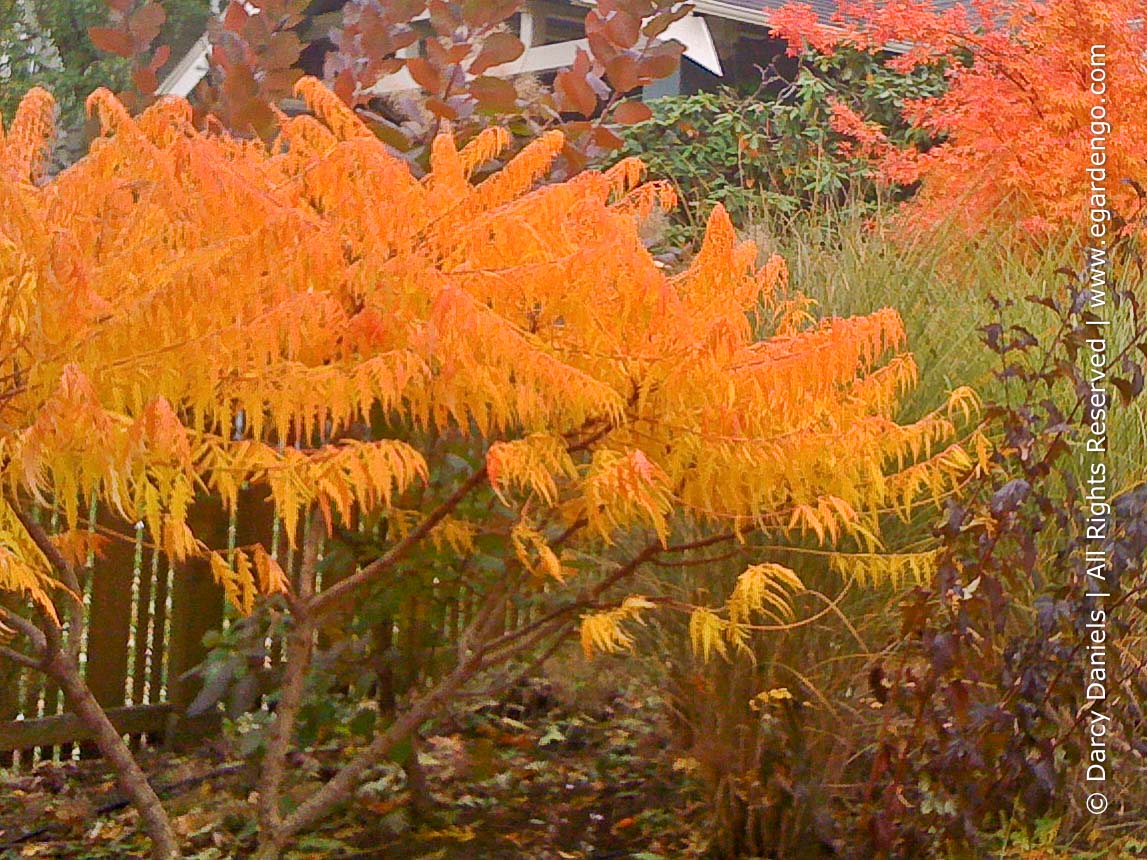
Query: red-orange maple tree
[{"x": 1015, "y": 128}]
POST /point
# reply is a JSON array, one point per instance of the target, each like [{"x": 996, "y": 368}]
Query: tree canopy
[{"x": 497, "y": 366}]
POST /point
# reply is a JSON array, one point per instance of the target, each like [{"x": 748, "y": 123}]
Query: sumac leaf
[{"x": 386, "y": 131}]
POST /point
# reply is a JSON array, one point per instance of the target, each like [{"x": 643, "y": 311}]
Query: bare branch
[
  {"x": 325, "y": 600},
  {"x": 300, "y": 647},
  {"x": 18, "y": 622},
  {"x": 19, "y": 657},
  {"x": 67, "y": 575}
]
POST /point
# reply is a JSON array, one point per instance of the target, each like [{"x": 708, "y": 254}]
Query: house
[{"x": 724, "y": 41}]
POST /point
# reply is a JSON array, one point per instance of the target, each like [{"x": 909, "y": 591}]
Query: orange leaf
[
  {"x": 631, "y": 112},
  {"x": 112, "y": 41}
]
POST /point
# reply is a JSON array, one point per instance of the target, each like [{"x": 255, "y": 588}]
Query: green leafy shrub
[{"x": 777, "y": 150}]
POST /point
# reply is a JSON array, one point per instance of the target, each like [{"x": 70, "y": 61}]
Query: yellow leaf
[
  {"x": 707, "y": 633},
  {"x": 602, "y": 631}
]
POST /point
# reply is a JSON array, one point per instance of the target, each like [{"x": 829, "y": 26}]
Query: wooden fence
[
  {"x": 145, "y": 625},
  {"x": 146, "y": 620}
]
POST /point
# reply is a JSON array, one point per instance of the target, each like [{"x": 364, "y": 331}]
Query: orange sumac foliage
[
  {"x": 1016, "y": 124},
  {"x": 186, "y": 312}
]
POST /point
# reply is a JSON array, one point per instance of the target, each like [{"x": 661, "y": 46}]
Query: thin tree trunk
[
  {"x": 58, "y": 661},
  {"x": 129, "y": 776},
  {"x": 480, "y": 648},
  {"x": 341, "y": 787},
  {"x": 300, "y": 648},
  {"x": 419, "y": 803}
]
